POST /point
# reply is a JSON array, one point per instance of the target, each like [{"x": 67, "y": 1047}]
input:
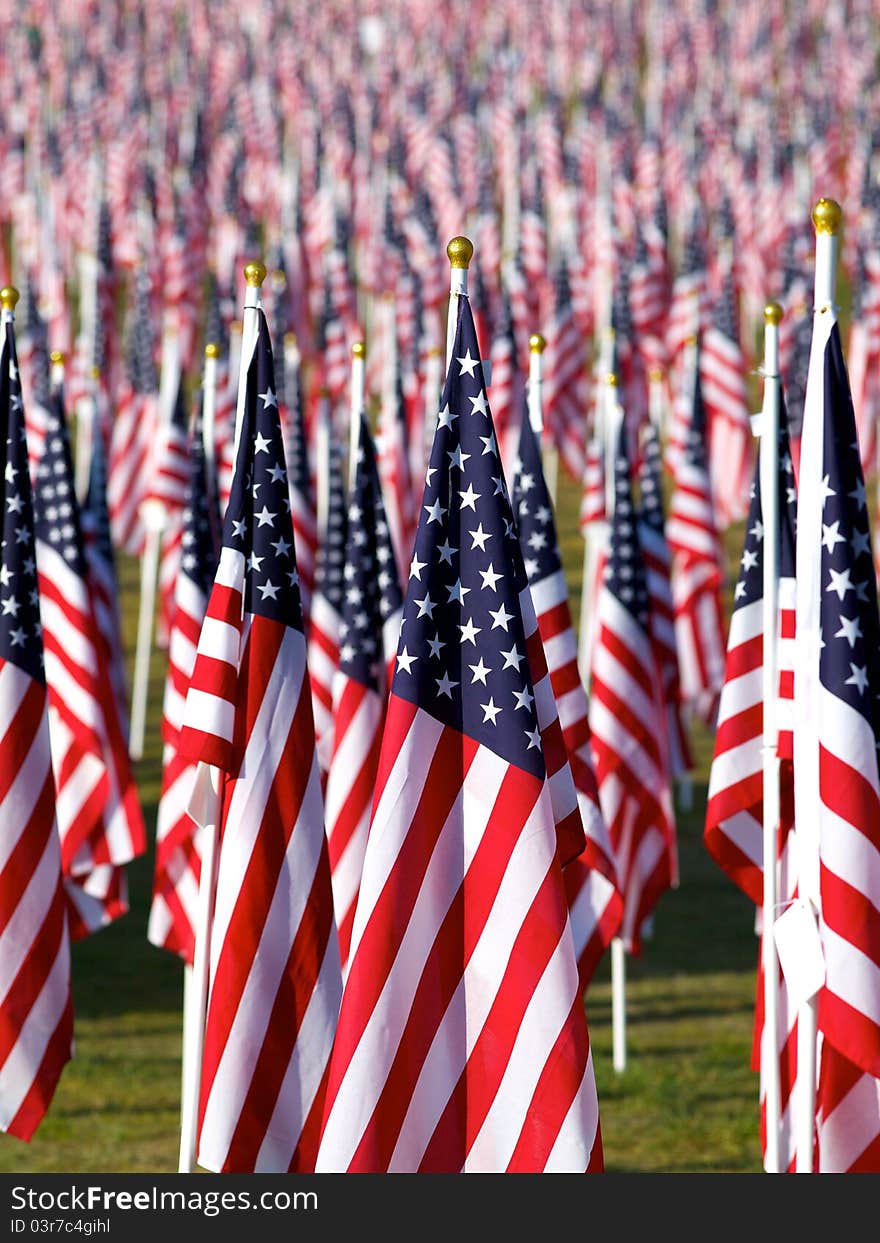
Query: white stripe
[
  {"x": 220, "y": 640},
  {"x": 30, "y": 913},
  {"x": 851, "y": 974},
  {"x": 19, "y": 1071},
  {"x": 202, "y": 708},
  {"x": 846, "y": 1133},
  {"x": 581, "y": 1122}
]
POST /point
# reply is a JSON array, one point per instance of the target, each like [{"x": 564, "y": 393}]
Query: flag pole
[
  {"x": 827, "y": 217},
  {"x": 209, "y": 426},
  {"x": 536, "y": 380},
  {"x": 358, "y": 399},
  {"x": 205, "y": 810},
  {"x": 154, "y": 517},
  {"x": 769, "y": 485},
  {"x": 460, "y": 251}
]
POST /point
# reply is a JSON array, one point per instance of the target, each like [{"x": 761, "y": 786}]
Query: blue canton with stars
[
  {"x": 329, "y": 580},
  {"x": 750, "y": 585},
  {"x": 462, "y": 651},
  {"x": 534, "y": 513},
  {"x": 650, "y": 482},
  {"x": 56, "y": 510},
  {"x": 372, "y": 590},
  {"x": 625, "y": 575},
  {"x": 849, "y": 663},
  {"x": 258, "y": 521},
  {"x": 21, "y": 639},
  {"x": 201, "y": 517}
]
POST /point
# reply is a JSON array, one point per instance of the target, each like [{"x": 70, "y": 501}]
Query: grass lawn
[{"x": 687, "y": 1100}]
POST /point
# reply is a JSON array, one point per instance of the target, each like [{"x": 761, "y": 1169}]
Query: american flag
[
  {"x": 508, "y": 385},
  {"x": 628, "y": 721},
  {"x": 166, "y": 493},
  {"x": 462, "y": 1043},
  {"x": 697, "y": 574},
  {"x": 327, "y": 602},
  {"x": 369, "y": 631},
  {"x": 836, "y": 734},
  {"x": 275, "y": 980},
  {"x": 595, "y": 905},
  {"x": 658, "y": 567},
  {"x": 688, "y": 293},
  {"x": 99, "y": 814},
  {"x": 723, "y": 378},
  {"x": 394, "y": 473},
  {"x": 133, "y": 426},
  {"x": 36, "y": 1008},
  {"x": 863, "y": 356},
  {"x": 174, "y": 907},
  {"x": 565, "y": 378}
]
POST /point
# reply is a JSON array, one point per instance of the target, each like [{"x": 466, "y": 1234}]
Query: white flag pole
[
  {"x": 536, "y": 380},
  {"x": 769, "y": 485},
  {"x": 323, "y": 433},
  {"x": 826, "y": 219},
  {"x": 205, "y": 810},
  {"x": 460, "y": 251},
  {"x": 154, "y": 518},
  {"x": 358, "y": 401}
]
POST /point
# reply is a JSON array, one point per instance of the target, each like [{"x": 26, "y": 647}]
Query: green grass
[{"x": 687, "y": 1100}]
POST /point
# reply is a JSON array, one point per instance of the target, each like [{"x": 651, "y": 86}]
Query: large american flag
[
  {"x": 595, "y": 905},
  {"x": 177, "y": 868},
  {"x": 36, "y": 1009},
  {"x": 275, "y": 980},
  {"x": 697, "y": 573},
  {"x": 836, "y": 734},
  {"x": 369, "y": 631},
  {"x": 628, "y": 720},
  {"x": 462, "y": 1043}
]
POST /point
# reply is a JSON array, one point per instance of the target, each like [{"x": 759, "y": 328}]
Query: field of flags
[{"x": 314, "y": 315}]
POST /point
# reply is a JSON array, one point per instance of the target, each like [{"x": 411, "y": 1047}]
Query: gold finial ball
[
  {"x": 611, "y": 379},
  {"x": 359, "y": 350},
  {"x": 460, "y": 251},
  {"x": 57, "y": 358},
  {"x": 655, "y": 374},
  {"x": 827, "y": 216},
  {"x": 254, "y": 274},
  {"x": 9, "y": 295},
  {"x": 95, "y": 373},
  {"x": 537, "y": 344},
  {"x": 212, "y": 350},
  {"x": 289, "y": 340},
  {"x": 773, "y": 313}
]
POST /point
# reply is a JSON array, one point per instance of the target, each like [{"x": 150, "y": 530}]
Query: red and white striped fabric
[
  {"x": 863, "y": 360},
  {"x": 327, "y": 602},
  {"x": 370, "y": 628},
  {"x": 36, "y": 1009},
  {"x": 166, "y": 495},
  {"x": 394, "y": 473},
  {"x": 593, "y": 487},
  {"x": 565, "y": 384},
  {"x": 697, "y": 574},
  {"x": 836, "y": 782},
  {"x": 461, "y": 1044},
  {"x": 275, "y": 980},
  {"x": 174, "y": 907},
  {"x": 723, "y": 377},
  {"x": 508, "y": 387},
  {"x": 628, "y": 723}
]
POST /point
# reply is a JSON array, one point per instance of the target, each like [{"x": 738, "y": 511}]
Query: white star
[
  {"x": 534, "y": 737},
  {"x": 14, "y": 503},
  {"x": 500, "y": 489},
  {"x": 524, "y": 699},
  {"x": 479, "y": 403},
  {"x": 469, "y": 632},
  {"x": 490, "y": 711},
  {"x": 457, "y": 592},
  {"x": 537, "y": 540},
  {"x": 282, "y": 548},
  {"x": 739, "y": 591},
  {"x": 757, "y": 530},
  {"x": 11, "y": 472},
  {"x": 21, "y": 535},
  {"x": 457, "y": 458},
  {"x": 512, "y": 659},
  {"x": 526, "y": 483},
  {"x": 17, "y": 637},
  {"x": 468, "y": 364},
  {"x": 435, "y": 512},
  {"x": 261, "y": 444},
  {"x": 446, "y": 550},
  {"x": 426, "y": 607},
  {"x": 859, "y": 677},
  {"x": 5, "y": 574},
  {"x": 531, "y": 567},
  {"x": 861, "y": 542},
  {"x": 405, "y": 661},
  {"x": 850, "y": 629},
  {"x": 858, "y": 494},
  {"x": 255, "y": 562},
  {"x": 237, "y": 528},
  {"x": 445, "y": 685},
  {"x": 269, "y": 399},
  {"x": 749, "y": 559},
  {"x": 432, "y": 470},
  {"x": 825, "y": 490},
  {"x": 479, "y": 537},
  {"x": 490, "y": 445},
  {"x": 840, "y": 583},
  {"x": 276, "y": 474},
  {"x": 11, "y": 606},
  {"x": 435, "y": 644},
  {"x": 469, "y": 498},
  {"x": 446, "y": 419},
  {"x": 489, "y": 577},
  {"x": 831, "y": 536},
  {"x": 479, "y": 671},
  {"x": 264, "y": 517},
  {"x": 416, "y": 567},
  {"x": 500, "y": 617},
  {"x": 346, "y": 653},
  {"x": 269, "y": 590},
  {"x": 543, "y": 514}
]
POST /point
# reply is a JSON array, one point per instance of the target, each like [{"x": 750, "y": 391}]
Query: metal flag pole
[
  {"x": 154, "y": 518},
  {"x": 536, "y": 380},
  {"x": 827, "y": 217},
  {"x": 205, "y": 810},
  {"x": 358, "y": 399},
  {"x": 768, "y": 477},
  {"x": 460, "y": 252},
  {"x": 209, "y": 427}
]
